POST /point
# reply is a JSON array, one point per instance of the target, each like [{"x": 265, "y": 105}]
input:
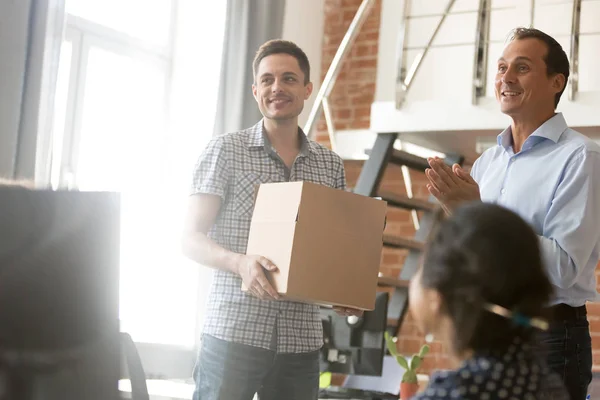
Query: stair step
[
  {"x": 402, "y": 243},
  {"x": 397, "y": 200},
  {"x": 401, "y": 157},
  {"x": 393, "y": 282}
]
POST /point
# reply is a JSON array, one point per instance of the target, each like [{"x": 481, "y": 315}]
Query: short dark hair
[
  {"x": 556, "y": 59},
  {"x": 279, "y": 46},
  {"x": 484, "y": 253}
]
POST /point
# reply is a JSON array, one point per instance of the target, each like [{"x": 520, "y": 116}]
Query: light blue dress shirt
[{"x": 554, "y": 184}]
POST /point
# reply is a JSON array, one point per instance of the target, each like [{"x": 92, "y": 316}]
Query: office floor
[{"x": 594, "y": 389}]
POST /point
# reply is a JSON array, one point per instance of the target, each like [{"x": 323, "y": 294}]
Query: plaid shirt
[{"x": 229, "y": 167}]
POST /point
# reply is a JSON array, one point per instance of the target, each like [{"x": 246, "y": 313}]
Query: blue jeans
[
  {"x": 567, "y": 347},
  {"x": 232, "y": 371}
]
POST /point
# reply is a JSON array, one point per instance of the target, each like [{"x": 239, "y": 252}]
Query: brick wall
[
  {"x": 350, "y": 101},
  {"x": 354, "y": 91},
  {"x": 399, "y": 222}
]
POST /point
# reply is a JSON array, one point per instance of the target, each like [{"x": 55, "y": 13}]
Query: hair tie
[{"x": 516, "y": 317}]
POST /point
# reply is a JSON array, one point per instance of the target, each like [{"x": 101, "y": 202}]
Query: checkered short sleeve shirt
[{"x": 229, "y": 167}]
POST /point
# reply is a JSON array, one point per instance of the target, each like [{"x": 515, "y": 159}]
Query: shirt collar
[
  {"x": 259, "y": 138},
  {"x": 552, "y": 129}
]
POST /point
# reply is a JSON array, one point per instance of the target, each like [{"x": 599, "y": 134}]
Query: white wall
[
  {"x": 442, "y": 87},
  {"x": 303, "y": 25}
]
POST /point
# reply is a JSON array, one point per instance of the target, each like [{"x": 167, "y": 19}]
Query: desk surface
[{"x": 163, "y": 389}]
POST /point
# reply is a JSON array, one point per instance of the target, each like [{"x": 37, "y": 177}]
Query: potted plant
[{"x": 410, "y": 384}]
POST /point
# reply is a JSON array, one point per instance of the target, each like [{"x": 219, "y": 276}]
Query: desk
[
  {"x": 174, "y": 390},
  {"x": 161, "y": 389}
]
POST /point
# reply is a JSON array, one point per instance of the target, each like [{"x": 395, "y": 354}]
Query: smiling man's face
[
  {"x": 279, "y": 87},
  {"x": 522, "y": 83}
]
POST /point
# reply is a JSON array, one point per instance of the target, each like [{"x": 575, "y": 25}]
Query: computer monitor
[
  {"x": 59, "y": 294},
  {"x": 355, "y": 346}
]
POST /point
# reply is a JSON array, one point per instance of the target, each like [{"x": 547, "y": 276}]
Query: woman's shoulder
[{"x": 495, "y": 378}]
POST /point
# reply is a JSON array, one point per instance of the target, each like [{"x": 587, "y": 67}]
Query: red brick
[
  {"x": 364, "y": 63},
  {"x": 322, "y": 125},
  {"x": 596, "y": 357},
  {"x": 595, "y": 326},
  {"x": 362, "y": 112},
  {"x": 332, "y": 20},
  {"x": 408, "y": 231},
  {"x": 348, "y": 16},
  {"x": 360, "y": 88},
  {"x": 371, "y": 35},
  {"x": 398, "y": 215},
  {"x": 322, "y": 137},
  {"x": 410, "y": 330},
  {"x": 361, "y": 125},
  {"x": 593, "y": 310},
  {"x": 335, "y": 39},
  {"x": 366, "y": 50},
  {"x": 361, "y": 76},
  {"x": 363, "y": 99},
  {"x": 409, "y": 346},
  {"x": 342, "y": 125},
  {"x": 344, "y": 113},
  {"x": 389, "y": 259},
  {"x": 393, "y": 173},
  {"x": 371, "y": 26},
  {"x": 332, "y": 5},
  {"x": 338, "y": 100}
]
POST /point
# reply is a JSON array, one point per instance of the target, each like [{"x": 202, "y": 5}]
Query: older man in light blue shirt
[
  {"x": 554, "y": 183},
  {"x": 550, "y": 175}
]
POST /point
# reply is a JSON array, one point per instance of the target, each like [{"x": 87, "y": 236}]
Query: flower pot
[{"x": 408, "y": 390}]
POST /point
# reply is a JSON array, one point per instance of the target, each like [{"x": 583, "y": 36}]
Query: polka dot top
[{"x": 517, "y": 374}]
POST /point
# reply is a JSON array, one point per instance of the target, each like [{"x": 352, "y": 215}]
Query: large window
[{"x": 123, "y": 124}]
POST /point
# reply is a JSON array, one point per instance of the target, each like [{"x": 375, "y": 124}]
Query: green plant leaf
[
  {"x": 415, "y": 363},
  {"x": 391, "y": 345},
  {"x": 402, "y": 361},
  {"x": 325, "y": 380},
  {"x": 410, "y": 377},
  {"x": 424, "y": 351}
]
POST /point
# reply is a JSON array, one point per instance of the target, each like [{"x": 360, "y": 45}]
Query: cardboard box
[{"x": 325, "y": 242}]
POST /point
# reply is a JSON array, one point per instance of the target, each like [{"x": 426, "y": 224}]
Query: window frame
[
  {"x": 161, "y": 361},
  {"x": 83, "y": 36}
]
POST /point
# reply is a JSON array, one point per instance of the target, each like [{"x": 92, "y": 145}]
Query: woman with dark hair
[{"x": 481, "y": 290}]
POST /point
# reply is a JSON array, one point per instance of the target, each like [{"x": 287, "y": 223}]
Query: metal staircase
[{"x": 383, "y": 154}]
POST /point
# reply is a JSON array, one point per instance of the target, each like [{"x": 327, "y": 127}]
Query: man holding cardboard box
[{"x": 254, "y": 342}]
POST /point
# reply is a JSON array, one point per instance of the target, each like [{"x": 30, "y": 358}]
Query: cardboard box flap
[
  {"x": 278, "y": 202},
  {"x": 347, "y": 212}
]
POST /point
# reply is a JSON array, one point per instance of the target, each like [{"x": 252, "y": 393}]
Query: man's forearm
[
  {"x": 201, "y": 249},
  {"x": 561, "y": 268}
]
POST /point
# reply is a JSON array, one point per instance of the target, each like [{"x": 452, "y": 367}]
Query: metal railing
[
  {"x": 575, "y": 33},
  {"x": 405, "y": 76},
  {"x": 321, "y": 102}
]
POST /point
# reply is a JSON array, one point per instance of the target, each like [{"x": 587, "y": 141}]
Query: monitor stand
[
  {"x": 384, "y": 387},
  {"x": 388, "y": 382}
]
